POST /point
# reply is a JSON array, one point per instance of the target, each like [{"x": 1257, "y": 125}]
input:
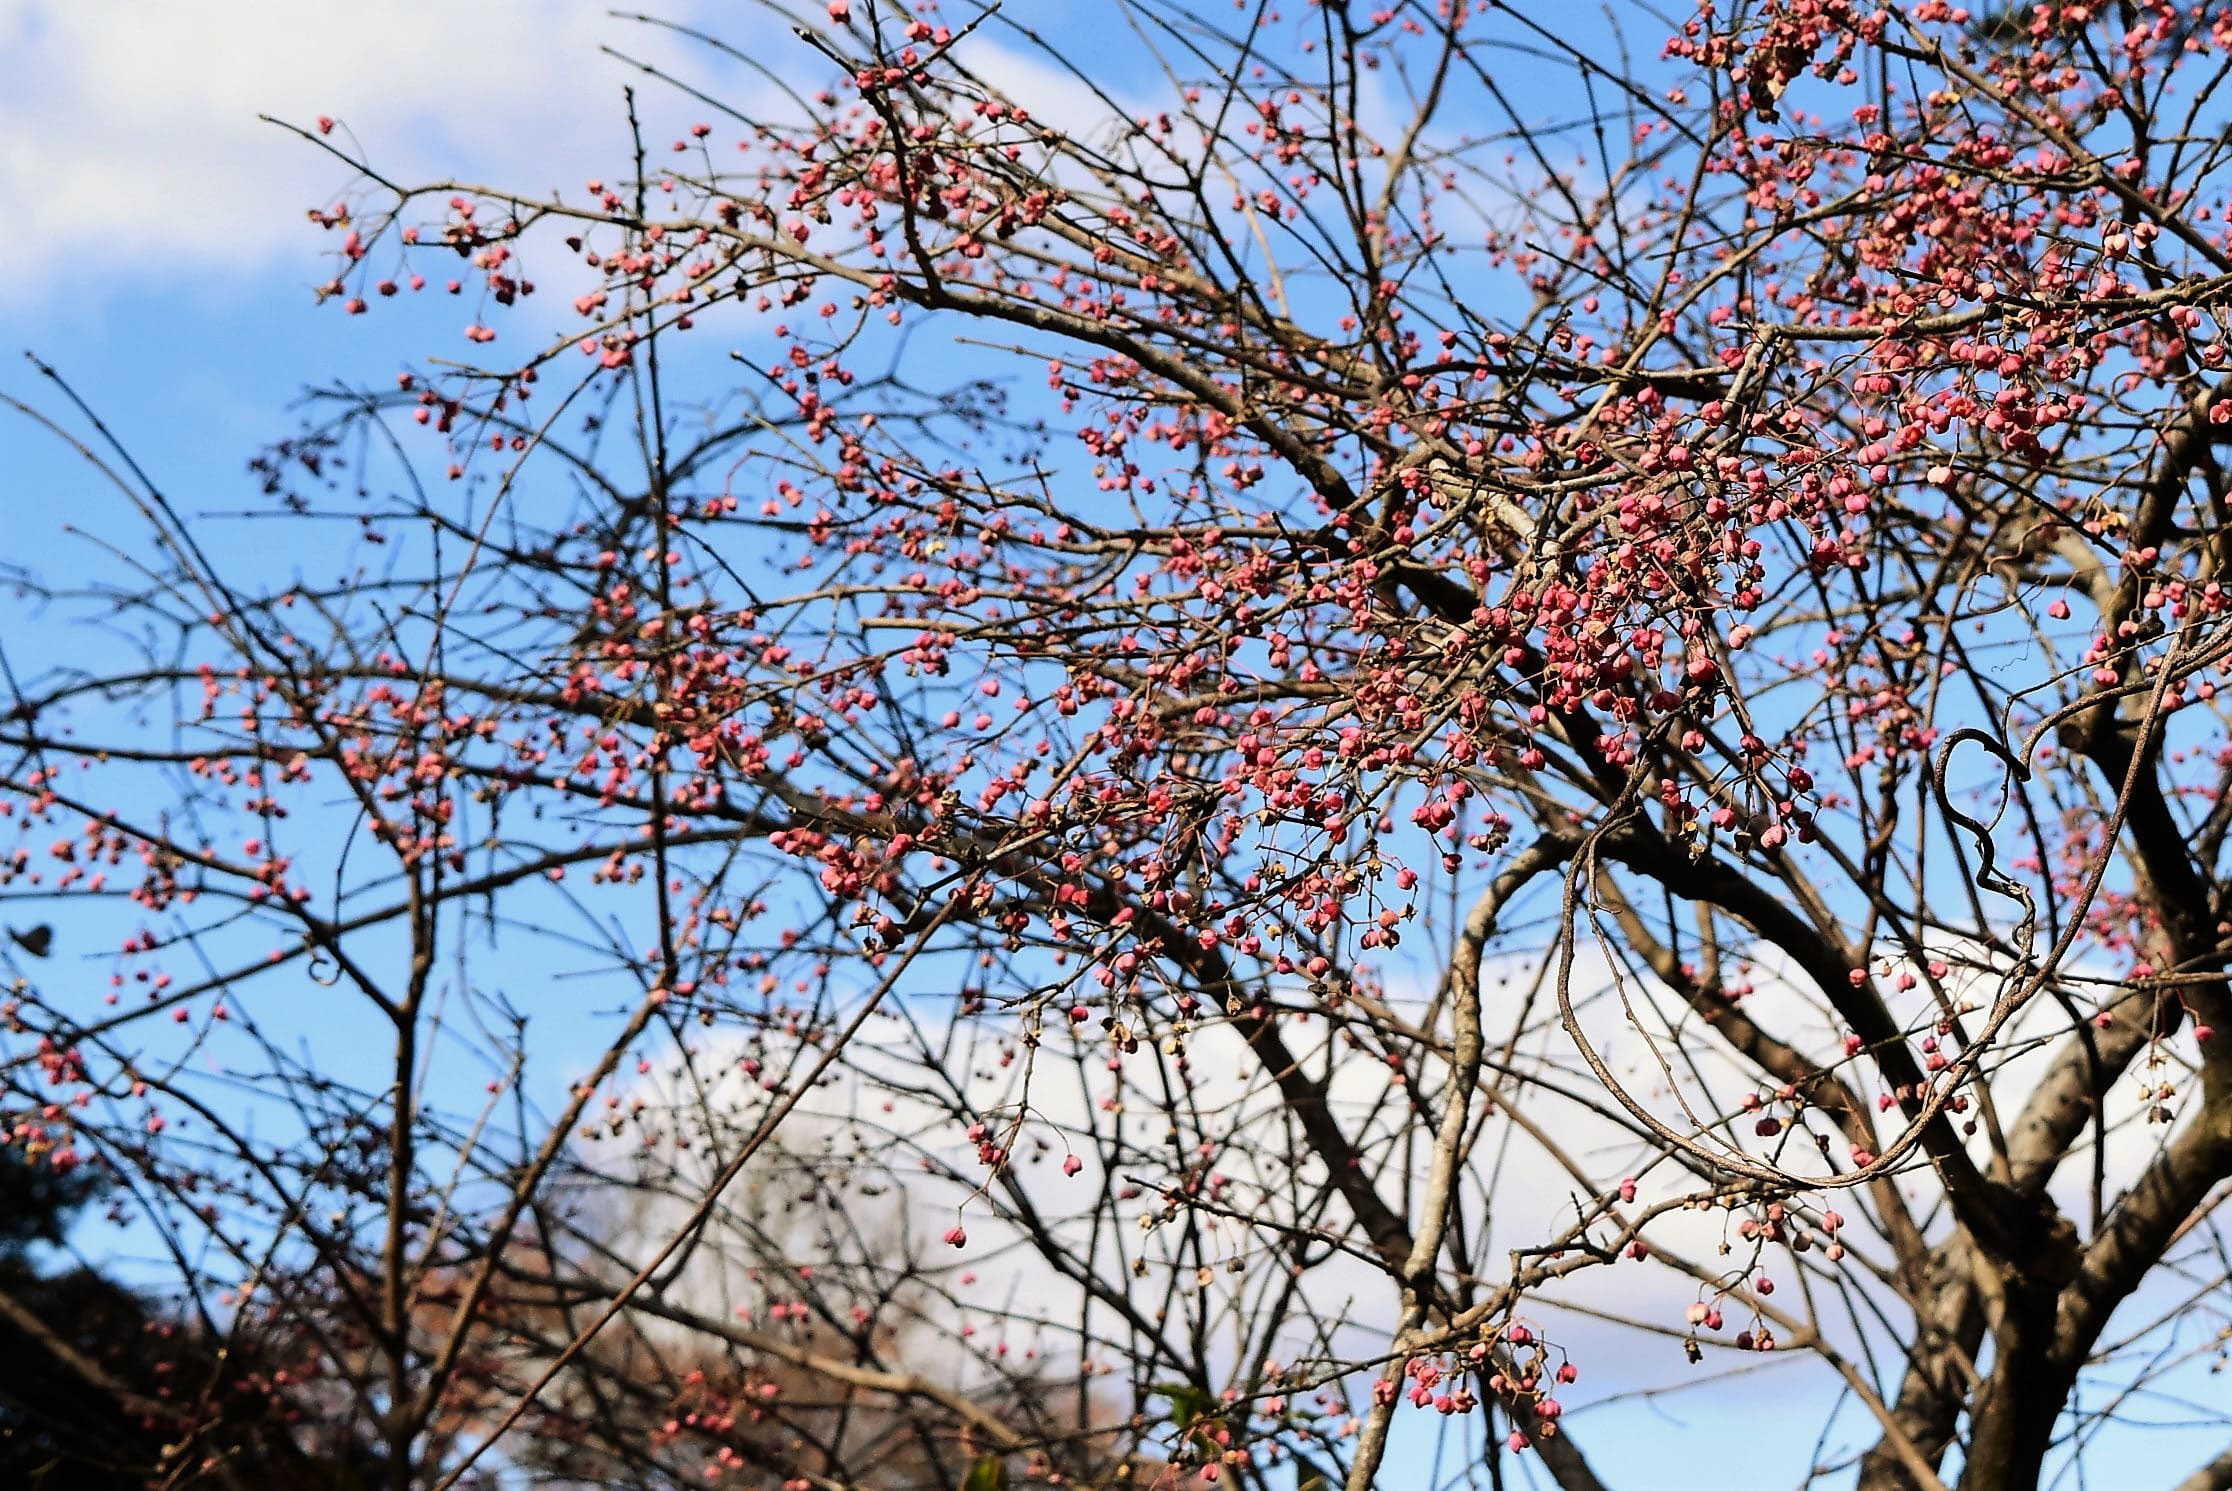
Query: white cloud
[
  {"x": 1054, "y": 96},
  {"x": 130, "y": 144},
  {"x": 873, "y": 1121}
]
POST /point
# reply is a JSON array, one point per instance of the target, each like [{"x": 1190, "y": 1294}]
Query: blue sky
[{"x": 157, "y": 254}]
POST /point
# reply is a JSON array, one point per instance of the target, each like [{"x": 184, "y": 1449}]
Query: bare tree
[{"x": 1271, "y": 743}]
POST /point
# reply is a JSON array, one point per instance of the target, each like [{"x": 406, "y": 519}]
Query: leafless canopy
[{"x": 1195, "y": 763}]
